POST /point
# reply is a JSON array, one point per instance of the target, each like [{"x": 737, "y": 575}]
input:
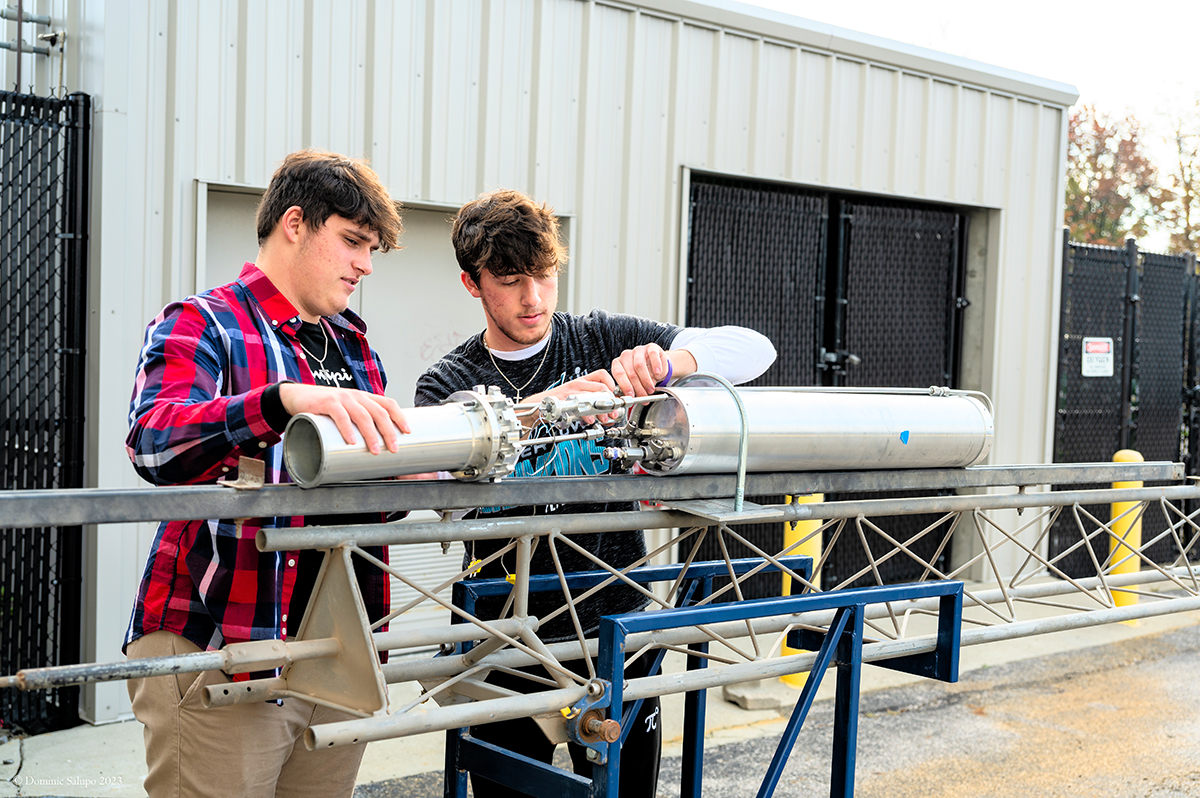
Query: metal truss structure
[{"x": 1003, "y": 579}]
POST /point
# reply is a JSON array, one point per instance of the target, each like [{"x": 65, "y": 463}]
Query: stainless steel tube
[
  {"x": 817, "y": 431},
  {"x": 472, "y": 437},
  {"x": 385, "y": 727},
  {"x": 443, "y": 439}
]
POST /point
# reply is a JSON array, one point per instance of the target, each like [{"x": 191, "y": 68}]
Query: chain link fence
[
  {"x": 1135, "y": 307},
  {"x": 44, "y": 145}
]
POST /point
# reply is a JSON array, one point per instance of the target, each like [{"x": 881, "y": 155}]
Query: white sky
[{"x": 1118, "y": 55}]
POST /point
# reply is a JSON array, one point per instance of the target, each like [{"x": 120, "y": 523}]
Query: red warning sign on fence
[{"x": 1097, "y": 357}]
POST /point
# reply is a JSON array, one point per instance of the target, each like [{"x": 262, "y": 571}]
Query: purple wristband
[{"x": 667, "y": 378}]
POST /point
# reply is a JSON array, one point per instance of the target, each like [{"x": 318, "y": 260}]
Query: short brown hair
[
  {"x": 507, "y": 233},
  {"x": 323, "y": 184}
]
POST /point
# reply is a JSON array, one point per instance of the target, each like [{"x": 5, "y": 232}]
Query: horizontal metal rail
[
  {"x": 237, "y": 658},
  {"x": 36, "y": 508},
  {"x": 316, "y": 537}
]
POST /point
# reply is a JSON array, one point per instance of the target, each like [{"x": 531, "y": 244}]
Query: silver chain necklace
[
  {"x": 545, "y": 352},
  {"x": 325, "y": 354}
]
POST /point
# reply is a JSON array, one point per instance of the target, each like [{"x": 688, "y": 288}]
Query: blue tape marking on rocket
[{"x": 904, "y": 437}]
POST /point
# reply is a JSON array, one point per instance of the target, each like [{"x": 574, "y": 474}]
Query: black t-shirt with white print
[
  {"x": 329, "y": 367},
  {"x": 578, "y": 345}
]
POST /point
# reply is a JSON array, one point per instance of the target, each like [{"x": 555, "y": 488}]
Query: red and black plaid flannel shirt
[{"x": 196, "y": 408}]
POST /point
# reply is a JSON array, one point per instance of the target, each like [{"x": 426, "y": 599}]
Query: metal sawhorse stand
[{"x": 841, "y": 645}]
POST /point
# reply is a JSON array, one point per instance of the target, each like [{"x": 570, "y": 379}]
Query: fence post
[
  {"x": 1190, "y": 366},
  {"x": 1128, "y": 532},
  {"x": 1131, "y": 300},
  {"x": 794, "y": 532}
]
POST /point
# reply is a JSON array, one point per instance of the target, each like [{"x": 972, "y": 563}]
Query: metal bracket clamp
[
  {"x": 339, "y": 666},
  {"x": 588, "y": 725},
  {"x": 501, "y": 433},
  {"x": 252, "y": 475}
]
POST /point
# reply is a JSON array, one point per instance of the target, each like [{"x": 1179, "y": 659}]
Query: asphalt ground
[
  {"x": 1105, "y": 711},
  {"x": 1120, "y": 720}
]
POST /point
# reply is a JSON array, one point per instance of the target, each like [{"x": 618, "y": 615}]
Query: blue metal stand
[
  {"x": 840, "y": 646},
  {"x": 466, "y": 754}
]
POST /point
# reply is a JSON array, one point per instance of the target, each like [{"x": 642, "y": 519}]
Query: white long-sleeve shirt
[{"x": 738, "y": 354}]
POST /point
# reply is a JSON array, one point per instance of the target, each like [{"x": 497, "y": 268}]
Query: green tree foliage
[
  {"x": 1181, "y": 207},
  {"x": 1112, "y": 187}
]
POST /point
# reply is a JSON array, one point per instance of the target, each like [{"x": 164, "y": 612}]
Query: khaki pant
[{"x": 247, "y": 750}]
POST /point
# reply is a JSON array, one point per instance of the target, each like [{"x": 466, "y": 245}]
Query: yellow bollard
[
  {"x": 792, "y": 533},
  {"x": 1128, "y": 530}
]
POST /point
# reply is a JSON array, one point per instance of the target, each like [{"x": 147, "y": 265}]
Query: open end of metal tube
[
  {"x": 310, "y": 740},
  {"x": 302, "y": 452}
]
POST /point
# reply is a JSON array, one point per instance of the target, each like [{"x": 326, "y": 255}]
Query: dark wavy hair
[
  {"x": 324, "y": 184},
  {"x": 507, "y": 233}
]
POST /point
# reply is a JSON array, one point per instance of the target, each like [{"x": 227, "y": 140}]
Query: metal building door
[
  {"x": 852, "y": 291},
  {"x": 757, "y": 258},
  {"x": 898, "y": 295},
  {"x": 896, "y": 322}
]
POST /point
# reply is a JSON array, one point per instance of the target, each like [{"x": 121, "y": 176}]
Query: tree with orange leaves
[
  {"x": 1181, "y": 208},
  {"x": 1112, "y": 187}
]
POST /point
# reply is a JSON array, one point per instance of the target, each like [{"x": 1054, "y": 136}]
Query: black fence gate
[
  {"x": 1126, "y": 360},
  {"x": 852, "y": 291},
  {"x": 44, "y": 148}
]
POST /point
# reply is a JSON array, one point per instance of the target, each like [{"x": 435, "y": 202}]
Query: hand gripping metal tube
[
  {"x": 473, "y": 436},
  {"x": 697, "y": 429}
]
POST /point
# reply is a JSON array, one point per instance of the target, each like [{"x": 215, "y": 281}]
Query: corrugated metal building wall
[{"x": 599, "y": 108}]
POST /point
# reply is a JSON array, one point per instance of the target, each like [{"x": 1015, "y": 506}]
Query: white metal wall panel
[
  {"x": 734, "y": 98},
  {"x": 879, "y": 125},
  {"x": 598, "y": 243},
  {"x": 940, "y": 154},
  {"x": 555, "y": 151},
  {"x": 506, "y": 77},
  {"x": 909, "y": 147},
  {"x": 694, "y": 95},
  {"x": 813, "y": 122},
  {"x": 644, "y": 287},
  {"x": 451, "y": 117},
  {"x": 999, "y": 139},
  {"x": 215, "y": 74},
  {"x": 398, "y": 97},
  {"x": 847, "y": 124},
  {"x": 126, "y": 280},
  {"x": 336, "y": 72},
  {"x": 1024, "y": 297},
  {"x": 971, "y": 162},
  {"x": 775, "y": 110}
]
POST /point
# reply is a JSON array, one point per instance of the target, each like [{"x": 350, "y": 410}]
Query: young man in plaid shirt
[{"x": 218, "y": 377}]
